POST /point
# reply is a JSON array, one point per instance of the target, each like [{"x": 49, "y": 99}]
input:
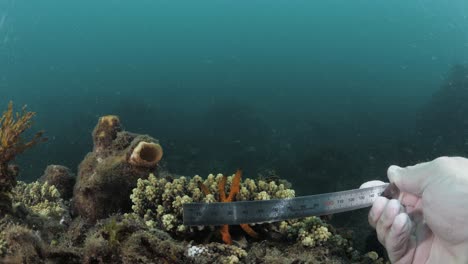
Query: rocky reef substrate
[{"x": 123, "y": 208}]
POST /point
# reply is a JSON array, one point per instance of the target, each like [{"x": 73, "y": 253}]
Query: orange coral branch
[
  {"x": 249, "y": 230},
  {"x": 221, "y": 189},
  {"x": 235, "y": 185},
  {"x": 203, "y": 188},
  {"x": 225, "y": 236},
  {"x": 234, "y": 190}
]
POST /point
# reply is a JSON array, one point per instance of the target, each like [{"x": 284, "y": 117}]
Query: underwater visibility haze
[{"x": 305, "y": 96}]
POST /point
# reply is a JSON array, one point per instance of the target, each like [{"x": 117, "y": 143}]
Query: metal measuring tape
[{"x": 248, "y": 212}]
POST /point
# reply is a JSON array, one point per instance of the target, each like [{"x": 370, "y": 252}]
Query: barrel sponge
[
  {"x": 146, "y": 154},
  {"x": 107, "y": 175}
]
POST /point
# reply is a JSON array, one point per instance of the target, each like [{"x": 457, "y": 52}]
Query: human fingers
[
  {"x": 398, "y": 240},
  {"x": 409, "y": 201},
  {"x": 385, "y": 221},
  {"x": 377, "y": 209},
  {"x": 412, "y": 179}
]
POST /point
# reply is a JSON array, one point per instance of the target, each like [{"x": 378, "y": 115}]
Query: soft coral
[
  {"x": 12, "y": 127},
  {"x": 235, "y": 188}
]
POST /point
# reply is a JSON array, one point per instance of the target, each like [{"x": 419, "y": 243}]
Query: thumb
[{"x": 412, "y": 179}]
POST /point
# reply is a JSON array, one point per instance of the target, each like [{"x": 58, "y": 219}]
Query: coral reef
[
  {"x": 39, "y": 207},
  {"x": 12, "y": 126},
  {"x": 124, "y": 240},
  {"x": 21, "y": 245},
  {"x": 280, "y": 253},
  {"x": 121, "y": 240},
  {"x": 235, "y": 187},
  {"x": 216, "y": 253},
  {"x": 159, "y": 200},
  {"x": 120, "y": 171},
  {"x": 42, "y": 199},
  {"x": 61, "y": 177},
  {"x": 108, "y": 174},
  {"x": 309, "y": 231}
]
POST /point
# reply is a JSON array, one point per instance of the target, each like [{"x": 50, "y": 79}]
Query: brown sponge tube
[{"x": 146, "y": 154}]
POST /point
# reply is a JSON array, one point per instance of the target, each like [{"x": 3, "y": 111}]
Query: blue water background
[{"x": 222, "y": 84}]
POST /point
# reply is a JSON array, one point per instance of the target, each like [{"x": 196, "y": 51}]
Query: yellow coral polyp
[
  {"x": 168, "y": 221},
  {"x": 263, "y": 195},
  {"x": 310, "y": 231}
]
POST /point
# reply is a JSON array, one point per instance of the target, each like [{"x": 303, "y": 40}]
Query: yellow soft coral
[{"x": 12, "y": 127}]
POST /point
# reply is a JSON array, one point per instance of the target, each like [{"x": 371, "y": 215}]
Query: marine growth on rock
[{"x": 160, "y": 200}]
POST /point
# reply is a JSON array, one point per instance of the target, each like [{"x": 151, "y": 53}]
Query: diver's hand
[{"x": 429, "y": 221}]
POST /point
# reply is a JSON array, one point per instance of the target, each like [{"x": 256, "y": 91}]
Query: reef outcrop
[
  {"x": 108, "y": 174},
  {"x": 40, "y": 230},
  {"x": 62, "y": 178}
]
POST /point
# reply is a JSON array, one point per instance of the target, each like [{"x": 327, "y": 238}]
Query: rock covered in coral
[
  {"x": 61, "y": 177},
  {"x": 125, "y": 240},
  {"x": 310, "y": 231},
  {"x": 39, "y": 198},
  {"x": 34, "y": 234},
  {"x": 108, "y": 174},
  {"x": 160, "y": 201},
  {"x": 20, "y": 244},
  {"x": 11, "y": 173},
  {"x": 37, "y": 217}
]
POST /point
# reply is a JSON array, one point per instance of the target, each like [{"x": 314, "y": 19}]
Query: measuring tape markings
[{"x": 261, "y": 211}]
